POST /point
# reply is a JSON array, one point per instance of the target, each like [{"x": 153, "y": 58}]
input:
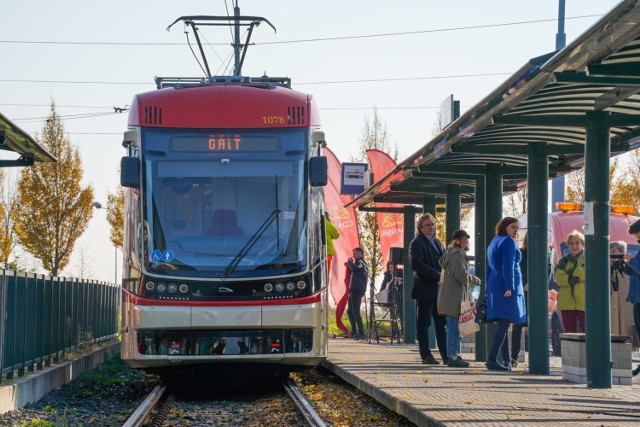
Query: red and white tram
[{"x": 224, "y": 256}]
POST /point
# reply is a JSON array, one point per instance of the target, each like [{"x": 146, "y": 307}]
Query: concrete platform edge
[
  {"x": 35, "y": 385},
  {"x": 396, "y": 405}
]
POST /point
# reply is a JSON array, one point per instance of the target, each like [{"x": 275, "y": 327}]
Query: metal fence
[{"x": 42, "y": 318}]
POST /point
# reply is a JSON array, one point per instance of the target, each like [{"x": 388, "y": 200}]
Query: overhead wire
[
  {"x": 66, "y": 117},
  {"x": 319, "y": 39},
  {"x": 390, "y": 79}
]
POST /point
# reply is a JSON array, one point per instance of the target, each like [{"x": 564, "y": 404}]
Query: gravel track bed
[{"x": 109, "y": 394}]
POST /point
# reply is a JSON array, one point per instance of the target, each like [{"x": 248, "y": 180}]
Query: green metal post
[
  {"x": 494, "y": 215},
  {"x": 409, "y": 325},
  {"x": 597, "y": 152},
  {"x": 429, "y": 205},
  {"x": 481, "y": 260},
  {"x": 537, "y": 260},
  {"x": 452, "y": 213}
]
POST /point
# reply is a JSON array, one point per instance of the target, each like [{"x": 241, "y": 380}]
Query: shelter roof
[
  {"x": 12, "y": 138},
  {"x": 544, "y": 101}
]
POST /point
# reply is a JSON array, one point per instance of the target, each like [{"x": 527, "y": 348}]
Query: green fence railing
[{"x": 42, "y": 318}]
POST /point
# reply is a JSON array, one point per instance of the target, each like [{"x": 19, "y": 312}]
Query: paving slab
[{"x": 441, "y": 396}]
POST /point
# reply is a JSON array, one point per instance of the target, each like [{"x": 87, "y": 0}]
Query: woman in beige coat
[{"x": 452, "y": 290}]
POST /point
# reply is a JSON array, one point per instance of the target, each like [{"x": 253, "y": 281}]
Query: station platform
[{"x": 437, "y": 395}]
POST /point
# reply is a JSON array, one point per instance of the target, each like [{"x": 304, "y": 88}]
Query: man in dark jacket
[
  {"x": 424, "y": 252},
  {"x": 357, "y": 287}
]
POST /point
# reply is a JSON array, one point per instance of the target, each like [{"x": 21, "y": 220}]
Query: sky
[{"x": 403, "y": 58}]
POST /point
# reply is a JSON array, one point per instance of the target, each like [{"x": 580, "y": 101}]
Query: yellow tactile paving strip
[{"x": 474, "y": 396}]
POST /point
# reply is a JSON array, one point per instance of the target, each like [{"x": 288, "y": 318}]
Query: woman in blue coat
[{"x": 505, "y": 294}]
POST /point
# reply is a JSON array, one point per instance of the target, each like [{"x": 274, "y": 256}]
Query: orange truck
[{"x": 571, "y": 217}]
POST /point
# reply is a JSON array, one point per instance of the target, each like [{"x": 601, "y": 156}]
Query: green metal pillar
[
  {"x": 480, "y": 260},
  {"x": 597, "y": 152},
  {"x": 409, "y": 325},
  {"x": 493, "y": 216},
  {"x": 429, "y": 205},
  {"x": 452, "y": 211},
  {"x": 537, "y": 260}
]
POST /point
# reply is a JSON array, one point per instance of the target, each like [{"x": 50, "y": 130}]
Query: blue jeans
[
  {"x": 453, "y": 337},
  {"x": 353, "y": 311},
  {"x": 501, "y": 341}
]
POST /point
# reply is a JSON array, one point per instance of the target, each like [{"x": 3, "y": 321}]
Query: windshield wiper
[
  {"x": 280, "y": 265},
  {"x": 252, "y": 241}
]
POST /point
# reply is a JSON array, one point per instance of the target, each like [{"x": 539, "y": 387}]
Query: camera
[{"x": 617, "y": 266}]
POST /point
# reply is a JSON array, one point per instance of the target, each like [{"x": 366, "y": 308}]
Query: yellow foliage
[
  {"x": 115, "y": 216},
  {"x": 52, "y": 209}
]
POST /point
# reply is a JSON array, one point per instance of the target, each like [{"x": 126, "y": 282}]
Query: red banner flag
[
  {"x": 345, "y": 221},
  {"x": 390, "y": 225}
]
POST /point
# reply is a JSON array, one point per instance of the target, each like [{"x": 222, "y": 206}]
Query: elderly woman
[
  {"x": 505, "y": 293},
  {"x": 570, "y": 275},
  {"x": 453, "y": 289}
]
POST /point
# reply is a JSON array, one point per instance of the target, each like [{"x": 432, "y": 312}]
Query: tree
[
  {"x": 115, "y": 216},
  {"x": 374, "y": 136},
  {"x": 515, "y": 204},
  {"x": 52, "y": 209},
  {"x": 575, "y": 184},
  {"x": 626, "y": 190},
  {"x": 8, "y": 199}
]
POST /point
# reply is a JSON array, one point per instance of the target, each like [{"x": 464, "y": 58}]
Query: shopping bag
[
  {"x": 466, "y": 322},
  {"x": 383, "y": 296}
]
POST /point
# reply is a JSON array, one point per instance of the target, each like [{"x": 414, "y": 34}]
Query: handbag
[
  {"x": 466, "y": 321},
  {"x": 481, "y": 311}
]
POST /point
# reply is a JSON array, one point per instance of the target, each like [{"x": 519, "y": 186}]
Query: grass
[{"x": 384, "y": 329}]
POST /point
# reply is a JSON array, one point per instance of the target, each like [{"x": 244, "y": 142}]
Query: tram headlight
[
  {"x": 279, "y": 287},
  {"x": 162, "y": 287},
  {"x": 291, "y": 286},
  {"x": 149, "y": 286},
  {"x": 172, "y": 288},
  {"x": 301, "y": 284},
  {"x": 183, "y": 288},
  {"x": 268, "y": 287}
]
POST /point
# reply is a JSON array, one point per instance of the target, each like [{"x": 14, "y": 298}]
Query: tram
[{"x": 224, "y": 253}]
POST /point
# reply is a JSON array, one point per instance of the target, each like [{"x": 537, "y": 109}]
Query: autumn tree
[
  {"x": 6, "y": 234},
  {"x": 115, "y": 216},
  {"x": 52, "y": 209},
  {"x": 623, "y": 183},
  {"x": 626, "y": 189},
  {"x": 515, "y": 204}
]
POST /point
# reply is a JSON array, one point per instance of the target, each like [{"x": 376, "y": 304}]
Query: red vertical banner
[
  {"x": 345, "y": 221},
  {"x": 390, "y": 225}
]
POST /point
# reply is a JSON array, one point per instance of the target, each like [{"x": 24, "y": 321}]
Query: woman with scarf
[{"x": 570, "y": 274}]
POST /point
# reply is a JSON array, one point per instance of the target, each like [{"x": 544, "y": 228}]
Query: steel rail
[
  {"x": 308, "y": 412},
  {"x": 138, "y": 418}
]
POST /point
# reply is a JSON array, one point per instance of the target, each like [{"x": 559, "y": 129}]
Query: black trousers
[{"x": 428, "y": 310}]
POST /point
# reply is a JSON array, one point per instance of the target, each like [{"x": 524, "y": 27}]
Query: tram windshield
[{"x": 228, "y": 203}]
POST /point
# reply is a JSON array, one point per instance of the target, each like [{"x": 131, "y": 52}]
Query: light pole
[{"x": 98, "y": 205}]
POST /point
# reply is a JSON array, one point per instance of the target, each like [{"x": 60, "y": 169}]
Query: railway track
[{"x": 156, "y": 406}]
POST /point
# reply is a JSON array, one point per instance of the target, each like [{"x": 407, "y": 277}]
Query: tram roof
[
  {"x": 544, "y": 101},
  {"x": 12, "y": 138}
]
